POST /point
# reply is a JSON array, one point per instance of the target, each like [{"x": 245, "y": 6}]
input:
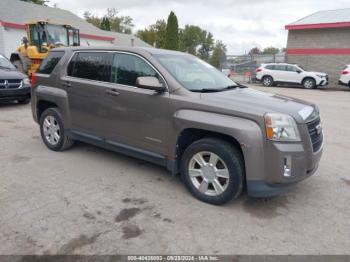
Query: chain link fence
[{"x": 242, "y": 68}]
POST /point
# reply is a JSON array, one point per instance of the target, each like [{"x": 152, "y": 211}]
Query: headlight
[
  {"x": 281, "y": 127},
  {"x": 26, "y": 81},
  {"x": 321, "y": 76}
]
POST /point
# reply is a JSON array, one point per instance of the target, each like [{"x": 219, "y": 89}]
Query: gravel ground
[{"x": 91, "y": 201}]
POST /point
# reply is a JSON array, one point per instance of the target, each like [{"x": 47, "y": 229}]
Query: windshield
[
  {"x": 5, "y": 63},
  {"x": 194, "y": 74},
  {"x": 57, "y": 35},
  {"x": 302, "y": 69}
]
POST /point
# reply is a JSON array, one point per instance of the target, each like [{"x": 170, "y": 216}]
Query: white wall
[
  {"x": 2, "y": 47},
  {"x": 10, "y": 40}
]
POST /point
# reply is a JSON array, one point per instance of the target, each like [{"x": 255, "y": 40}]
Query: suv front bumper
[
  {"x": 285, "y": 165},
  {"x": 14, "y": 94}
]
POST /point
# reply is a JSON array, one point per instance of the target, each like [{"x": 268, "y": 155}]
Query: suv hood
[
  {"x": 11, "y": 74},
  {"x": 316, "y": 73},
  {"x": 250, "y": 101}
]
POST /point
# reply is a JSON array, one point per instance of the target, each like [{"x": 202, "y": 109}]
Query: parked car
[
  {"x": 275, "y": 73},
  {"x": 345, "y": 76},
  {"x": 13, "y": 84},
  {"x": 146, "y": 103}
]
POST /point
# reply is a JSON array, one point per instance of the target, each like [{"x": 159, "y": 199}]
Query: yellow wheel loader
[{"x": 42, "y": 36}]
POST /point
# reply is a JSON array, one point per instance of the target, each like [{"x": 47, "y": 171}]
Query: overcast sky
[{"x": 240, "y": 24}]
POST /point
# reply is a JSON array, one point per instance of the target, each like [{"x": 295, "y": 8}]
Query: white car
[
  {"x": 345, "y": 76},
  {"x": 275, "y": 73}
]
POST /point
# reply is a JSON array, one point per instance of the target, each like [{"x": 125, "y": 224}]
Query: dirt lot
[{"x": 91, "y": 201}]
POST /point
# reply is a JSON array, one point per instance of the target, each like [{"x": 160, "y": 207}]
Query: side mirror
[
  {"x": 298, "y": 71},
  {"x": 150, "y": 82}
]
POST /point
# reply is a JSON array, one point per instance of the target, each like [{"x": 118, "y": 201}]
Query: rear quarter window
[
  {"x": 49, "y": 63},
  {"x": 270, "y": 67}
]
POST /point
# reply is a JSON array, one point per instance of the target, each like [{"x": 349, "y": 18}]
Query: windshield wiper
[{"x": 206, "y": 90}]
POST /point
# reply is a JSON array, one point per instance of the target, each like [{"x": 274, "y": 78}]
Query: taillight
[
  {"x": 345, "y": 72},
  {"x": 258, "y": 70},
  {"x": 33, "y": 79}
]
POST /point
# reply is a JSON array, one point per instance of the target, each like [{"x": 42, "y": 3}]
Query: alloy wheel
[
  {"x": 208, "y": 173},
  {"x": 51, "y": 130}
]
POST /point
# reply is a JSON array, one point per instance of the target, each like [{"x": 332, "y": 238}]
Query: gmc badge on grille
[{"x": 318, "y": 128}]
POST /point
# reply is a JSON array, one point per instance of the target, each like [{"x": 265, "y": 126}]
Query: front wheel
[
  {"x": 213, "y": 171},
  {"x": 309, "y": 83},
  {"x": 52, "y": 130}
]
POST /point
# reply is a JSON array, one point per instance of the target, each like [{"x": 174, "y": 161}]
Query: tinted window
[
  {"x": 127, "y": 68},
  {"x": 91, "y": 65},
  {"x": 49, "y": 63},
  {"x": 271, "y": 67},
  {"x": 280, "y": 67}
]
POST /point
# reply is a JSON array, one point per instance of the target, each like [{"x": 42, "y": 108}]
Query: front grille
[
  {"x": 10, "y": 83},
  {"x": 316, "y": 134}
]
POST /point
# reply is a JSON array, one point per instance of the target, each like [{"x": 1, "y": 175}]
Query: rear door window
[
  {"x": 270, "y": 67},
  {"x": 49, "y": 63},
  {"x": 280, "y": 67},
  {"x": 91, "y": 65}
]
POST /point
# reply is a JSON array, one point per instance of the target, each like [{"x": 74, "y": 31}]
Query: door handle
[
  {"x": 66, "y": 84},
  {"x": 112, "y": 92}
]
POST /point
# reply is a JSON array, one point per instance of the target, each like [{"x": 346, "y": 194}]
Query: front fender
[{"x": 245, "y": 131}]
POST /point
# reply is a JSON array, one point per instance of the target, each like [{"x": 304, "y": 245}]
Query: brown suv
[{"x": 175, "y": 110}]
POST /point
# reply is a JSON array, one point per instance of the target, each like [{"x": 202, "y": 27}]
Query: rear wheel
[
  {"x": 267, "y": 81},
  {"x": 52, "y": 130},
  {"x": 309, "y": 83},
  {"x": 212, "y": 170}
]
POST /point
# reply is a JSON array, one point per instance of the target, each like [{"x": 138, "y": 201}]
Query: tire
[
  {"x": 309, "y": 83},
  {"x": 19, "y": 66},
  {"x": 200, "y": 181},
  {"x": 267, "y": 81},
  {"x": 52, "y": 131},
  {"x": 24, "y": 101}
]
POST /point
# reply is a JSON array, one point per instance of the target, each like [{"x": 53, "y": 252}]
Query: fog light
[{"x": 287, "y": 166}]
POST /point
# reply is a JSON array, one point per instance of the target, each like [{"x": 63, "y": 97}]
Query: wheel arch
[
  {"x": 245, "y": 134},
  {"x": 42, "y": 105},
  {"x": 267, "y": 75},
  {"x": 306, "y": 77},
  {"x": 190, "y": 135}
]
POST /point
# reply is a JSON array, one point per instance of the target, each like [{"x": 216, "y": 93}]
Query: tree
[
  {"x": 154, "y": 34},
  {"x": 218, "y": 56},
  {"x": 92, "y": 19},
  {"x": 172, "y": 33},
  {"x": 38, "y": 2},
  {"x": 190, "y": 38},
  {"x": 270, "y": 50},
  {"x": 105, "y": 25},
  {"x": 121, "y": 24},
  {"x": 207, "y": 46},
  {"x": 254, "y": 51}
]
